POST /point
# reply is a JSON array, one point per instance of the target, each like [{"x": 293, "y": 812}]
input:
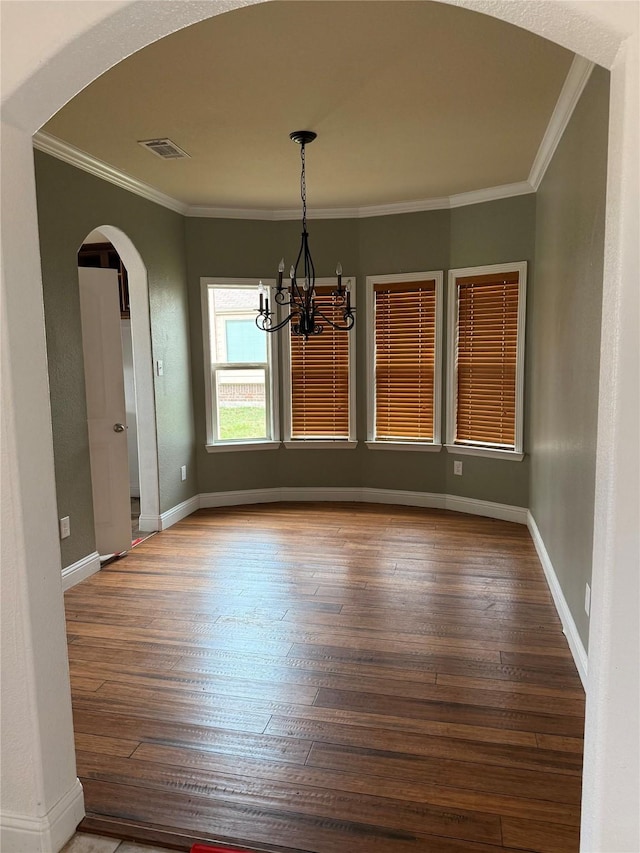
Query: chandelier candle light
[{"x": 305, "y": 315}]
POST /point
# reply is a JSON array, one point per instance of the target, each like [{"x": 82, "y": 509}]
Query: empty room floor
[{"x": 328, "y": 678}]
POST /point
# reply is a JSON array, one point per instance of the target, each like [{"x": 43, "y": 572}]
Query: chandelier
[{"x": 305, "y": 315}]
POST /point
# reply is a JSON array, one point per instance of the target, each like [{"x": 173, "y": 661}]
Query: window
[
  {"x": 486, "y": 359},
  {"x": 404, "y": 325},
  {"x": 320, "y": 382},
  {"x": 240, "y": 367}
]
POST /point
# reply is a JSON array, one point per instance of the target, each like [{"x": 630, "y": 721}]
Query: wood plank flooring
[{"x": 328, "y": 678}]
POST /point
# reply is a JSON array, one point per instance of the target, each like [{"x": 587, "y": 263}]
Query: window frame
[
  {"x": 373, "y": 443},
  {"x": 517, "y": 454},
  {"x": 214, "y": 445},
  {"x": 349, "y": 443}
]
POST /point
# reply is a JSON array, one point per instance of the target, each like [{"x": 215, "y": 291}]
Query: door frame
[{"x": 147, "y": 436}]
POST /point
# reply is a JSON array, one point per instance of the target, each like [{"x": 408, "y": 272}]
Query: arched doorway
[
  {"x": 44, "y": 802},
  {"x": 147, "y": 443},
  {"x": 116, "y": 312}
]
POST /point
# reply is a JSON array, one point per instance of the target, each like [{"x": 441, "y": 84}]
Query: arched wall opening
[
  {"x": 143, "y": 374},
  {"x": 43, "y": 801}
]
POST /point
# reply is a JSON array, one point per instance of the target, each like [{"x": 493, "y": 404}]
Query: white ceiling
[{"x": 410, "y": 100}]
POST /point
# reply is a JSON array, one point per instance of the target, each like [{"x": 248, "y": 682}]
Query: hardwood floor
[{"x": 333, "y": 678}]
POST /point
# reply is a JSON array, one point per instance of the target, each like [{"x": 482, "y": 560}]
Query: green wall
[
  {"x": 493, "y": 232},
  {"x": 565, "y": 344},
  {"x": 71, "y": 203}
]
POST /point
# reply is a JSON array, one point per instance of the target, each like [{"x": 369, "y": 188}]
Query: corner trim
[
  {"x": 149, "y": 523},
  {"x": 573, "y": 87},
  {"x": 50, "y": 832},
  {"x": 80, "y": 570},
  {"x": 569, "y": 628}
]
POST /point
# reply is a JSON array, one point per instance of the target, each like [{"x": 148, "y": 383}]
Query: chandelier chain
[{"x": 303, "y": 187}]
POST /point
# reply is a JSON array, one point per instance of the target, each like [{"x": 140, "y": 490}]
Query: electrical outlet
[
  {"x": 457, "y": 467},
  {"x": 183, "y": 472},
  {"x": 65, "y": 527},
  {"x": 587, "y": 598}
]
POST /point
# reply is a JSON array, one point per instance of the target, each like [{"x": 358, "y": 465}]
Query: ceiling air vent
[{"x": 164, "y": 148}]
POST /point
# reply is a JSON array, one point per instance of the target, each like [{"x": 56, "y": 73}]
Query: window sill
[
  {"x": 404, "y": 445},
  {"x": 465, "y": 450},
  {"x": 321, "y": 444},
  {"x": 245, "y": 445}
]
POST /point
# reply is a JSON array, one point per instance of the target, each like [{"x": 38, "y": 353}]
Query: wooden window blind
[
  {"x": 486, "y": 359},
  {"x": 405, "y": 333},
  {"x": 320, "y": 378}
]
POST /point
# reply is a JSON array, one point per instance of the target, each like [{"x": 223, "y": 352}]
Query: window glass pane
[
  {"x": 245, "y": 341},
  {"x": 242, "y": 404},
  {"x": 229, "y": 306}
]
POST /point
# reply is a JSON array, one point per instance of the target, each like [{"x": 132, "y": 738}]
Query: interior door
[{"x": 106, "y": 411}]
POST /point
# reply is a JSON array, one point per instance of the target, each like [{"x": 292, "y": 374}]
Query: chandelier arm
[
  {"x": 309, "y": 264},
  {"x": 267, "y": 327},
  {"x": 281, "y": 298},
  {"x": 348, "y": 324}
]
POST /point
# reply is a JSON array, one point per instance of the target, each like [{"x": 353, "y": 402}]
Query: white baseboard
[
  {"x": 149, "y": 523},
  {"x": 429, "y": 500},
  {"x": 365, "y": 495},
  {"x": 568, "y": 625},
  {"x": 80, "y": 570},
  {"x": 473, "y": 506},
  {"x": 243, "y": 496},
  {"x": 134, "y": 490},
  {"x": 28, "y": 834},
  {"x": 177, "y": 513}
]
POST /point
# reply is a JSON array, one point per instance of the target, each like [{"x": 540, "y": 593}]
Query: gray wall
[
  {"x": 564, "y": 348},
  {"x": 70, "y": 204},
  {"x": 493, "y": 232}
]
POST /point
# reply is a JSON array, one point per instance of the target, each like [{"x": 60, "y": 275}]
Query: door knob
[{"x": 119, "y": 427}]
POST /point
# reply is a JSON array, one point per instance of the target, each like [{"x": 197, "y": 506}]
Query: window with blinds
[
  {"x": 320, "y": 378},
  {"x": 404, "y": 327},
  {"x": 487, "y": 380}
]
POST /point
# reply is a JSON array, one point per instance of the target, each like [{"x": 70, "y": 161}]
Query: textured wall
[
  {"x": 565, "y": 320},
  {"x": 70, "y": 204},
  {"x": 493, "y": 232}
]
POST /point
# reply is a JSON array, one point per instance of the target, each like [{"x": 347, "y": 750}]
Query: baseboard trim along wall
[
  {"x": 568, "y": 624},
  {"x": 177, "y": 513},
  {"x": 50, "y": 832},
  {"x": 80, "y": 570},
  {"x": 429, "y": 500}
]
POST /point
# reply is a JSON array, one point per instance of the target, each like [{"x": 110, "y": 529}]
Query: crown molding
[
  {"x": 575, "y": 81},
  {"x": 81, "y": 160},
  {"x": 490, "y": 194},
  {"x": 573, "y": 86},
  {"x": 391, "y": 209}
]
